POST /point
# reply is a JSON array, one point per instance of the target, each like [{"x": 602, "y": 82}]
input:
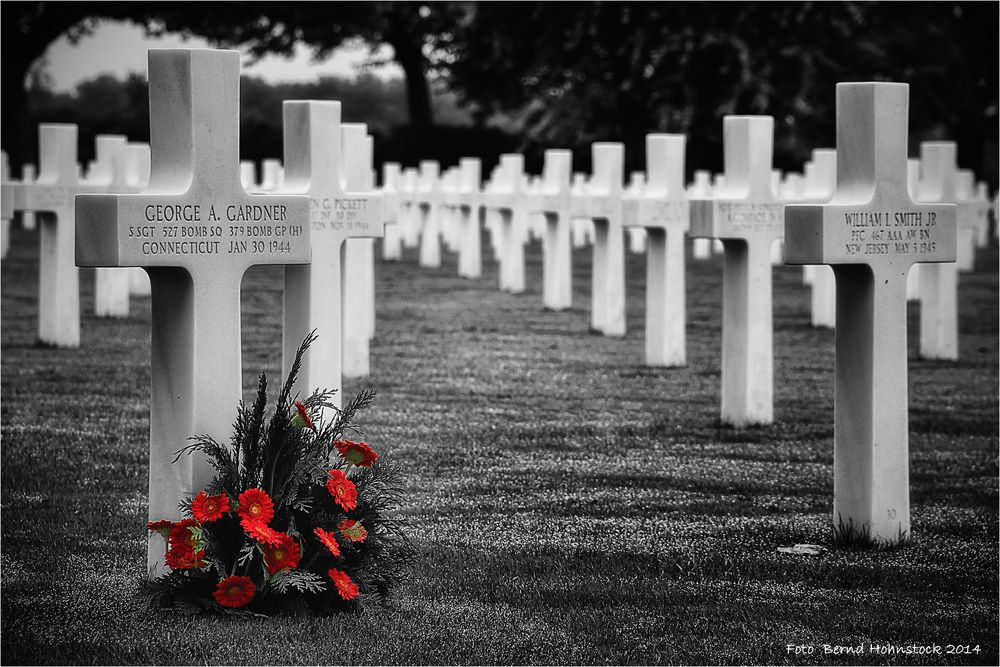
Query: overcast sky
[{"x": 118, "y": 48}]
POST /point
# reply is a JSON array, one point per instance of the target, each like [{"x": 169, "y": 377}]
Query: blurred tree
[
  {"x": 411, "y": 29},
  {"x": 572, "y": 73}
]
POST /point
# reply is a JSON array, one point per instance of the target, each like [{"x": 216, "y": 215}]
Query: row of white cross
[{"x": 195, "y": 230}]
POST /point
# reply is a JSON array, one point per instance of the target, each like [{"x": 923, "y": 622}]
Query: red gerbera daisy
[
  {"x": 352, "y": 530},
  {"x": 342, "y": 489},
  {"x": 284, "y": 555},
  {"x": 206, "y": 508},
  {"x": 347, "y": 588},
  {"x": 183, "y": 557},
  {"x": 261, "y": 532},
  {"x": 357, "y": 453},
  {"x": 181, "y": 534},
  {"x": 328, "y": 540},
  {"x": 301, "y": 417},
  {"x": 234, "y": 591},
  {"x": 255, "y": 505},
  {"x": 162, "y": 527}
]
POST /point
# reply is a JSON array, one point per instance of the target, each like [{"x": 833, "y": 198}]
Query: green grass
[{"x": 570, "y": 505}]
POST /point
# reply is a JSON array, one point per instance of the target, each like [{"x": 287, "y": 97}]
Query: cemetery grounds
[{"x": 567, "y": 503}]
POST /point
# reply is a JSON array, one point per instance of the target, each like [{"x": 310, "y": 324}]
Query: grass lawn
[{"x": 570, "y": 505}]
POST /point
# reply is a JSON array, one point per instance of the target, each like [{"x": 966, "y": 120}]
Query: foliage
[
  {"x": 286, "y": 462},
  {"x": 574, "y": 73}
]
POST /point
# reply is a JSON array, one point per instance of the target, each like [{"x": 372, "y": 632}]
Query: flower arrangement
[{"x": 296, "y": 518}]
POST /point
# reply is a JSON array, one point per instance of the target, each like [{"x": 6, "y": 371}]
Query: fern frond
[{"x": 301, "y": 580}]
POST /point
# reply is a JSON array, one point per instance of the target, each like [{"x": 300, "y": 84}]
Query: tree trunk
[{"x": 418, "y": 94}]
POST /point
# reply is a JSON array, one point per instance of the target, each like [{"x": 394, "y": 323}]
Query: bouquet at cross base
[{"x": 296, "y": 518}]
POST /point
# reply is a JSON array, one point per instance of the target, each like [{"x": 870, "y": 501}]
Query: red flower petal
[
  {"x": 348, "y": 589},
  {"x": 329, "y": 540},
  {"x": 234, "y": 591},
  {"x": 357, "y": 453},
  {"x": 342, "y": 489},
  {"x": 255, "y": 505}
]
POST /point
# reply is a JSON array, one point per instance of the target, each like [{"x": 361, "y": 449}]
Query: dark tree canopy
[
  {"x": 578, "y": 72},
  {"x": 569, "y": 73}
]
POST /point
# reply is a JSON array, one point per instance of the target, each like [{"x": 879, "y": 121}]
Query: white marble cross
[
  {"x": 982, "y": 200},
  {"x": 409, "y": 208},
  {"x": 111, "y": 285},
  {"x": 820, "y": 184},
  {"x": 969, "y": 221},
  {"x": 701, "y": 188},
  {"x": 359, "y": 254},
  {"x": 938, "y": 282},
  {"x": 196, "y": 231},
  {"x": 6, "y": 203},
  {"x": 602, "y": 203},
  {"x": 392, "y": 244},
  {"x": 137, "y": 164},
  {"x": 662, "y": 209},
  {"x": 746, "y": 216},
  {"x": 428, "y": 201},
  {"x": 506, "y": 202},
  {"x": 552, "y": 200},
  {"x": 319, "y": 165},
  {"x": 583, "y": 228},
  {"x": 636, "y": 235},
  {"x": 871, "y": 232},
  {"x": 28, "y": 175},
  {"x": 50, "y": 197},
  {"x": 470, "y": 210}
]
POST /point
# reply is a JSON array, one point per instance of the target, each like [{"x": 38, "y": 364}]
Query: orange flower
[
  {"x": 283, "y": 555},
  {"x": 261, "y": 532},
  {"x": 342, "y": 489},
  {"x": 329, "y": 540},
  {"x": 347, "y": 588},
  {"x": 234, "y": 591},
  {"x": 357, "y": 453},
  {"x": 301, "y": 417},
  {"x": 255, "y": 506},
  {"x": 352, "y": 530},
  {"x": 206, "y": 508}
]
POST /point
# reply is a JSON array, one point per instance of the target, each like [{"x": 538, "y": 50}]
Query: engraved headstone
[
  {"x": 662, "y": 209},
  {"x": 359, "y": 254},
  {"x": 602, "y": 203},
  {"x": 748, "y": 218},
  {"x": 871, "y": 232},
  {"x": 319, "y": 164},
  {"x": 196, "y": 231}
]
